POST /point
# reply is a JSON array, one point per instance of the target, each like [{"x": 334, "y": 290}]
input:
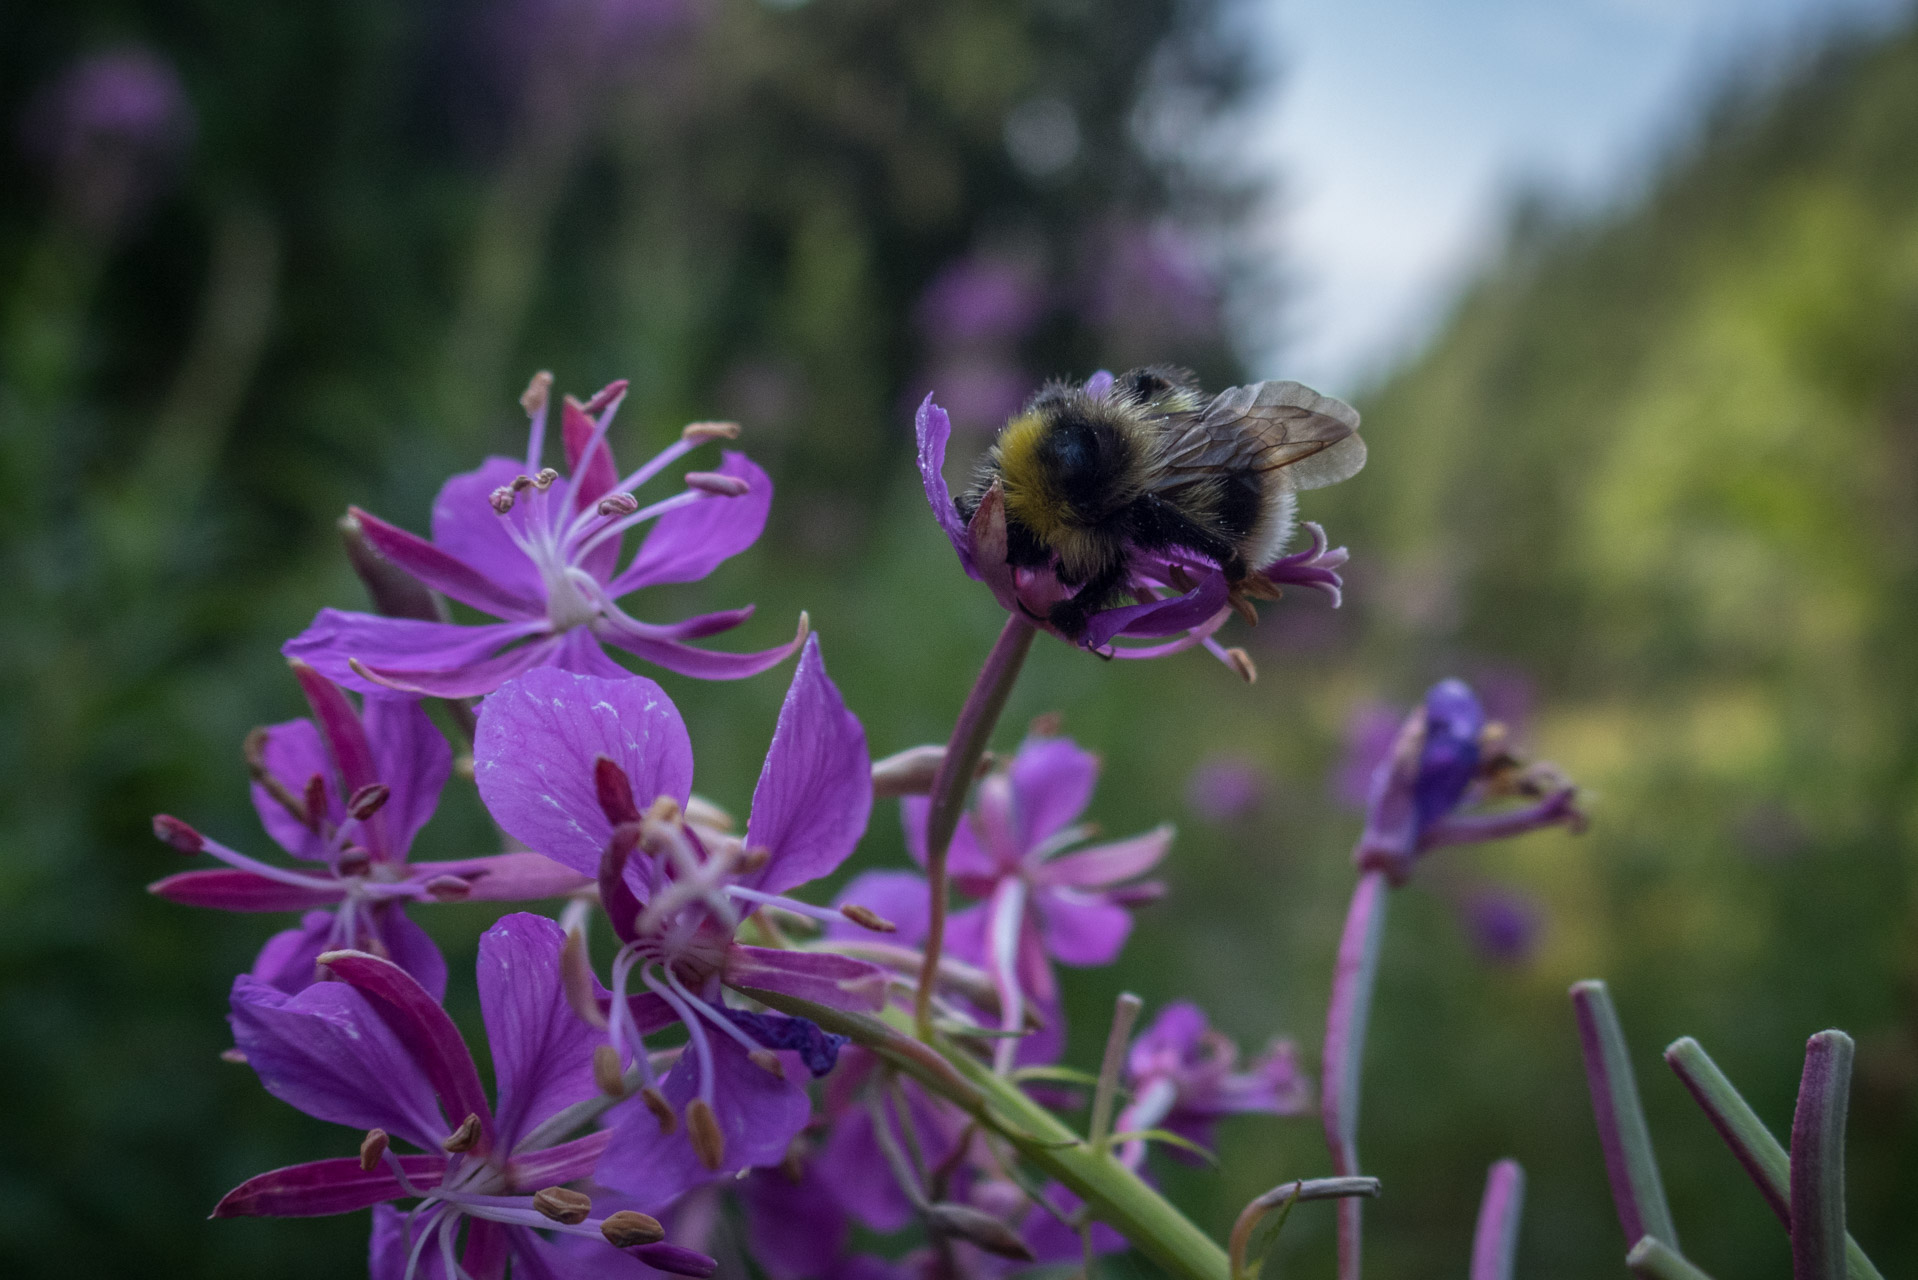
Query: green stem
[
  {"x": 968, "y": 745},
  {"x": 1114, "y": 1194}
]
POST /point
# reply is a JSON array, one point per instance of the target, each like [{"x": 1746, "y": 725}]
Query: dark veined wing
[{"x": 1264, "y": 426}]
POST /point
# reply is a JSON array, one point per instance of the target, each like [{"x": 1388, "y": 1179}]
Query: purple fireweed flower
[
  {"x": 1226, "y": 789},
  {"x": 541, "y": 552},
  {"x": 1183, "y": 1078},
  {"x": 113, "y": 130},
  {"x": 980, "y": 298},
  {"x": 347, "y": 791},
  {"x": 1151, "y": 286},
  {"x": 1041, "y": 898},
  {"x": 1503, "y": 924},
  {"x": 1181, "y": 598},
  {"x": 374, "y": 1050},
  {"x": 1449, "y": 758},
  {"x": 564, "y": 763}
]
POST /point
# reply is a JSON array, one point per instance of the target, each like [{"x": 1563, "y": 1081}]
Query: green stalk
[{"x": 1114, "y": 1194}]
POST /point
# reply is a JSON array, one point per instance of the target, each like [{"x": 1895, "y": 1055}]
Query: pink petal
[
  {"x": 466, "y": 527},
  {"x": 469, "y": 681},
  {"x": 340, "y": 729},
  {"x": 1154, "y": 618},
  {"x": 287, "y": 961},
  {"x": 966, "y": 858},
  {"x": 538, "y": 738},
  {"x": 1052, "y": 782},
  {"x": 328, "y": 1052},
  {"x": 701, "y": 664},
  {"x": 506, "y": 877},
  {"x": 567, "y": 1162},
  {"x": 391, "y": 1246},
  {"x": 411, "y": 757},
  {"x": 581, "y": 653},
  {"x": 600, "y": 473},
  {"x": 446, "y": 573},
  {"x": 934, "y": 429},
  {"x": 293, "y": 754},
  {"x": 416, "y": 1017},
  {"x": 1081, "y": 928},
  {"x": 815, "y": 791},
  {"x": 1107, "y": 864},
  {"x": 230, "y": 889},
  {"x": 323, "y": 1187},
  {"x": 686, "y": 544},
  {"x": 542, "y": 1052},
  {"x": 819, "y": 976},
  {"x": 336, "y": 638},
  {"x": 759, "y": 1114},
  {"x": 411, "y": 948}
]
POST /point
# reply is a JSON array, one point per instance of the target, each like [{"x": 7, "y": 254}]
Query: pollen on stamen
[
  {"x": 449, "y": 888},
  {"x": 177, "y": 834},
  {"x": 563, "y": 1205},
  {"x": 236, "y": 1056},
  {"x": 606, "y": 1073},
  {"x": 373, "y": 1149},
  {"x": 464, "y": 1138},
  {"x": 662, "y": 1110},
  {"x": 700, "y": 432},
  {"x": 754, "y": 859},
  {"x": 702, "y": 1128},
  {"x": 867, "y": 918},
  {"x": 664, "y": 809},
  {"x": 1242, "y": 663},
  {"x": 368, "y": 800},
  {"x": 717, "y": 483},
  {"x": 255, "y": 752},
  {"x": 768, "y": 1061},
  {"x": 537, "y": 393},
  {"x": 618, "y": 504},
  {"x": 544, "y": 480},
  {"x": 702, "y": 812},
  {"x": 626, "y": 1229}
]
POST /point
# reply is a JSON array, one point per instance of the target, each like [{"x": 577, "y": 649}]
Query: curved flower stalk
[
  {"x": 1041, "y": 897},
  {"x": 1447, "y": 764},
  {"x": 597, "y": 774},
  {"x": 375, "y": 1051},
  {"x": 347, "y": 791},
  {"x": 541, "y": 552},
  {"x": 1184, "y": 1078},
  {"x": 1180, "y": 598}
]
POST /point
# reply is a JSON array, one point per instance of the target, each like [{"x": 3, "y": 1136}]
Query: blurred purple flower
[
  {"x": 374, "y": 1050},
  {"x": 1370, "y": 731},
  {"x": 1504, "y": 924},
  {"x": 349, "y": 789},
  {"x": 541, "y": 552},
  {"x": 981, "y": 390},
  {"x": 1150, "y": 283},
  {"x": 1226, "y": 789},
  {"x": 1444, "y": 761},
  {"x": 112, "y": 129},
  {"x": 980, "y": 298},
  {"x": 1183, "y": 1078},
  {"x": 564, "y": 763}
]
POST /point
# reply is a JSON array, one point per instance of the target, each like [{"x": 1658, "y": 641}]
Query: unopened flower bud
[
  {"x": 662, "y": 1110},
  {"x": 618, "y": 504},
  {"x": 373, "y": 1149},
  {"x": 625, "y": 1229},
  {"x": 464, "y": 1138},
  {"x": 702, "y": 1128},
  {"x": 172, "y": 831},
  {"x": 561, "y": 1205},
  {"x": 368, "y": 800},
  {"x": 768, "y": 1061},
  {"x": 867, "y": 918},
  {"x": 701, "y": 432},
  {"x": 981, "y": 1229},
  {"x": 606, "y": 1072},
  {"x": 449, "y": 888},
  {"x": 717, "y": 483}
]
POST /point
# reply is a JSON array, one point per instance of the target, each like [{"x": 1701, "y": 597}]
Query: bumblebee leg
[
  {"x": 1157, "y": 525},
  {"x": 1071, "y": 614}
]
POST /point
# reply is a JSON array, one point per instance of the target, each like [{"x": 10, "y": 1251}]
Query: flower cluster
[{"x": 703, "y": 1045}]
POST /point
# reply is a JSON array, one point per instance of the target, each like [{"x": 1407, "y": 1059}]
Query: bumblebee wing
[{"x": 1265, "y": 426}]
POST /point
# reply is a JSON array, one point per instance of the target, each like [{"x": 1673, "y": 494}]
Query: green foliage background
[{"x": 1660, "y": 460}]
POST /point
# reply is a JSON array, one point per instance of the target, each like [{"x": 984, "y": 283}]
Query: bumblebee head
[{"x": 1069, "y": 461}]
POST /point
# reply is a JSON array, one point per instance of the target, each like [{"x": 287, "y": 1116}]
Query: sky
[{"x": 1399, "y": 129}]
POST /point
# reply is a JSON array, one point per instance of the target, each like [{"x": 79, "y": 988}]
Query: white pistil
[
  {"x": 1007, "y": 924},
  {"x": 695, "y": 1030}
]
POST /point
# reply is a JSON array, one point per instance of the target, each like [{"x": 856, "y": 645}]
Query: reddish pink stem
[{"x": 1345, "y": 1022}]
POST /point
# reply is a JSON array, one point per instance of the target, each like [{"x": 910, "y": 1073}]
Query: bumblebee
[{"x": 1156, "y": 466}]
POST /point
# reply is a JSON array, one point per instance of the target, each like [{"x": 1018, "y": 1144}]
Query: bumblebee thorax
[{"x": 1069, "y": 464}]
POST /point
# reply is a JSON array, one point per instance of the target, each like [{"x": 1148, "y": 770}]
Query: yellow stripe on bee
[{"x": 1030, "y": 498}]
